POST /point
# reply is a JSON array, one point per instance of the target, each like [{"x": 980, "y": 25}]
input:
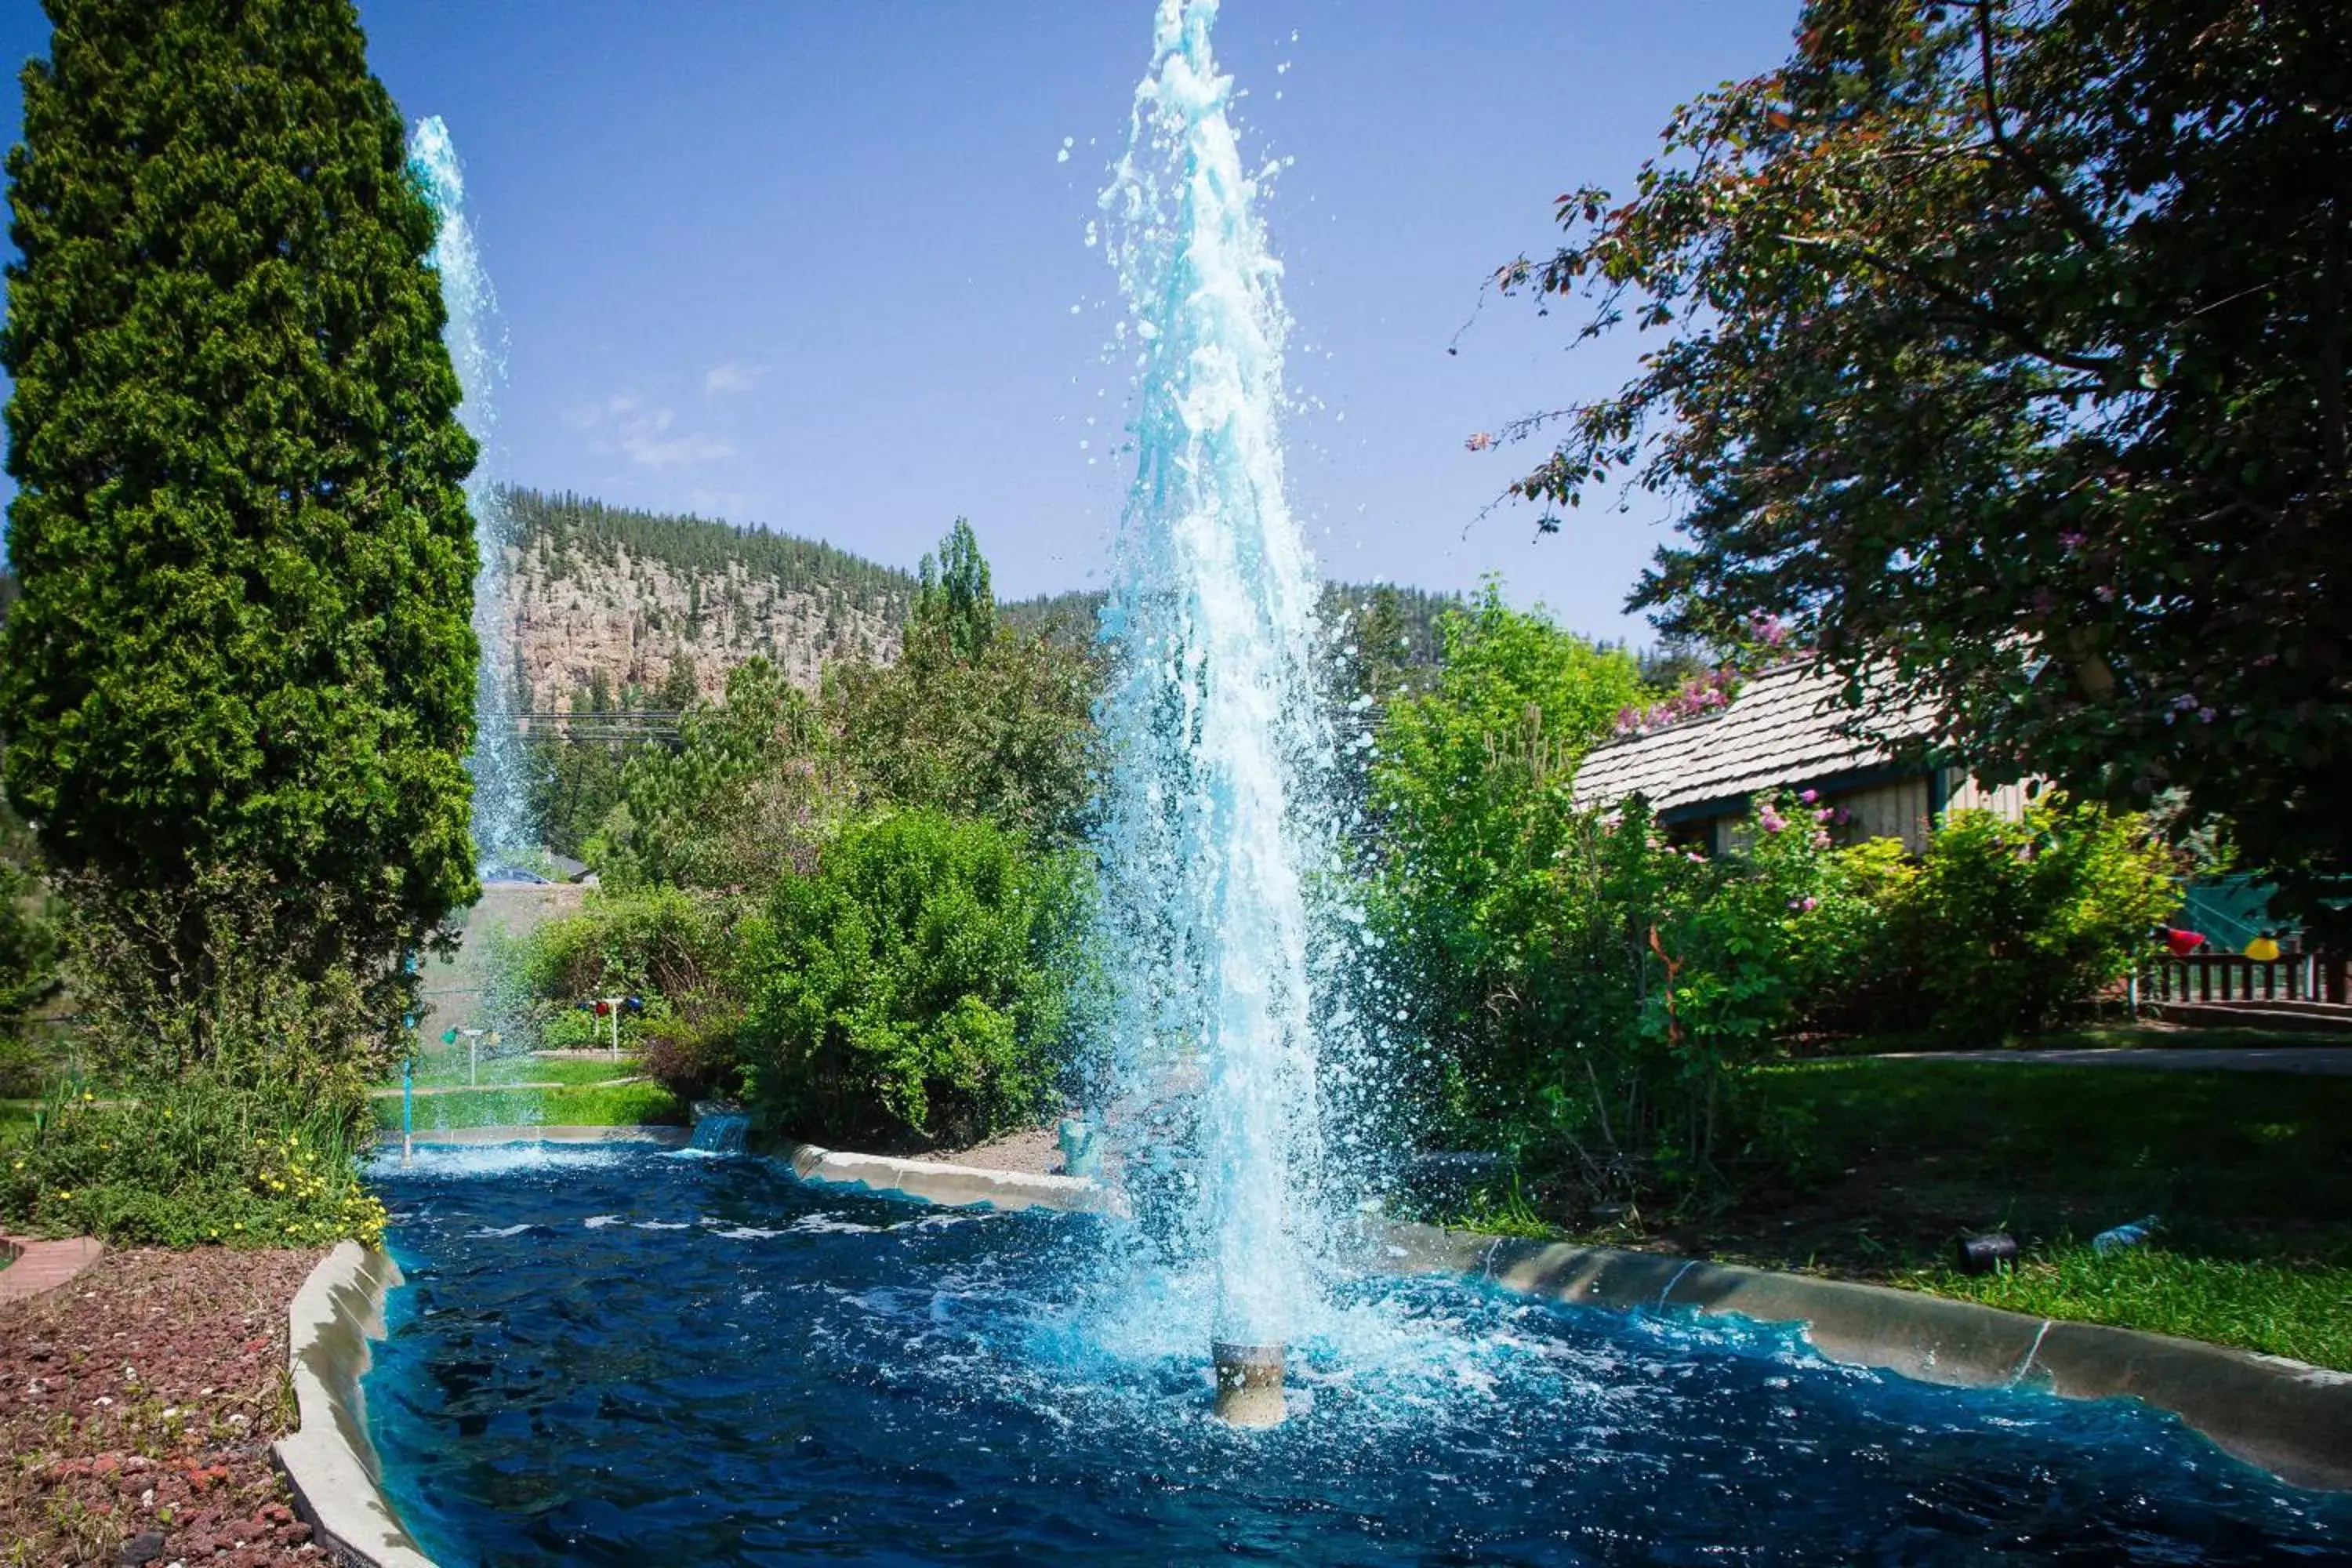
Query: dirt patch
[
  {"x": 1034, "y": 1151},
  {"x": 140, "y": 1401}
]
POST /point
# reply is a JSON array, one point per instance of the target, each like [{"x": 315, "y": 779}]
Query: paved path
[
  {"x": 44, "y": 1265},
  {"x": 2329, "y": 1060}
]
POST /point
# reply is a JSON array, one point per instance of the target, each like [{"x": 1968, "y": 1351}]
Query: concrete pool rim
[{"x": 2291, "y": 1419}]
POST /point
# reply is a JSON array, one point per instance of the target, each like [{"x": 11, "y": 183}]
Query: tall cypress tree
[{"x": 241, "y": 670}]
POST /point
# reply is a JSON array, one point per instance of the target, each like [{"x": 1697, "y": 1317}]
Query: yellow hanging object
[{"x": 2262, "y": 949}]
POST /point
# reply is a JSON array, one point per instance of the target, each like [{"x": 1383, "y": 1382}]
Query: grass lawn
[
  {"x": 590, "y": 1104},
  {"x": 2251, "y": 1174},
  {"x": 2149, "y": 1035},
  {"x": 445, "y": 1065}
]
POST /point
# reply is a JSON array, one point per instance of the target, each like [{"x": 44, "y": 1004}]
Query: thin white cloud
[
  {"x": 722, "y": 379},
  {"x": 590, "y": 416},
  {"x": 648, "y": 439}
]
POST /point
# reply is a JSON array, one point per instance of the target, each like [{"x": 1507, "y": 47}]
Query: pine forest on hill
[
  {"x": 618, "y": 607},
  {"x": 611, "y": 603}
]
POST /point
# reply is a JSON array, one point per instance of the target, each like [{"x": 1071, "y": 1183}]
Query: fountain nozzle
[{"x": 1249, "y": 1383}]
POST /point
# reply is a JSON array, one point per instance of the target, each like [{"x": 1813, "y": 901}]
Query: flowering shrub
[
  {"x": 1775, "y": 932},
  {"x": 1708, "y": 692},
  {"x": 2011, "y": 923},
  {"x": 190, "y": 1163},
  {"x": 1590, "y": 992}
]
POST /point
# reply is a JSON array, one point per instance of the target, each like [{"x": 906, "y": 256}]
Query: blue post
[
  {"x": 408, "y": 1094},
  {"x": 409, "y": 966}
]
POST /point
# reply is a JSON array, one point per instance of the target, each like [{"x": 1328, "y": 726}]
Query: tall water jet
[
  {"x": 505, "y": 840},
  {"x": 1221, "y": 751}
]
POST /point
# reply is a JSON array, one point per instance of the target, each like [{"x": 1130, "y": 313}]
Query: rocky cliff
[{"x": 606, "y": 598}]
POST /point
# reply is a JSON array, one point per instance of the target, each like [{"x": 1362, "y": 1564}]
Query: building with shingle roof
[{"x": 1786, "y": 729}]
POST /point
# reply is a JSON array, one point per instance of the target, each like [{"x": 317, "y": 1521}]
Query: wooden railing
[{"x": 2231, "y": 977}]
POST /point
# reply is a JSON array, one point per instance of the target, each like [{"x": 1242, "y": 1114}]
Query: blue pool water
[{"x": 627, "y": 1356}]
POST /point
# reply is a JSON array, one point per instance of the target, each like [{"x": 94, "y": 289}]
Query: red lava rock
[{"x": 205, "y": 1330}]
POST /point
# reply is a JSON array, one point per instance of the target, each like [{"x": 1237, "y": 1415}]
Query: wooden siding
[
  {"x": 2007, "y": 802},
  {"x": 1899, "y": 808}
]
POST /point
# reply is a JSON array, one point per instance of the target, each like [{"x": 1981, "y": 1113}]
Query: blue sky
[{"x": 814, "y": 265}]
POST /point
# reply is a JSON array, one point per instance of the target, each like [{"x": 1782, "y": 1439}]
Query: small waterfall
[
  {"x": 718, "y": 1132},
  {"x": 505, "y": 840},
  {"x": 1218, "y": 826}
]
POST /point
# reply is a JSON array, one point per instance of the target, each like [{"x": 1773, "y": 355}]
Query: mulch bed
[{"x": 137, "y": 1406}]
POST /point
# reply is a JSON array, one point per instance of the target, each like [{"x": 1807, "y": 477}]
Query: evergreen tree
[
  {"x": 973, "y": 721},
  {"x": 682, "y": 688},
  {"x": 241, "y": 672},
  {"x": 953, "y": 602}
]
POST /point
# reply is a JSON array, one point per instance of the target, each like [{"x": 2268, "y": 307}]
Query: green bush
[
  {"x": 916, "y": 985},
  {"x": 30, "y": 945},
  {"x": 265, "y": 1013},
  {"x": 2011, "y": 924},
  {"x": 25, "y": 1064},
  {"x": 1590, "y": 992},
  {"x": 674, "y": 948},
  {"x": 193, "y": 1162},
  {"x": 660, "y": 939}
]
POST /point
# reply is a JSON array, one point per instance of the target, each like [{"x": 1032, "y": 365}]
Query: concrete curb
[
  {"x": 40, "y": 1267},
  {"x": 2289, "y": 1418},
  {"x": 952, "y": 1186},
  {"x": 328, "y": 1460}
]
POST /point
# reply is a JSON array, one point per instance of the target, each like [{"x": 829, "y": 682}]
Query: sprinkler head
[{"x": 1249, "y": 1383}]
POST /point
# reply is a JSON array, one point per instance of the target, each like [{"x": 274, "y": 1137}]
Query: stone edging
[
  {"x": 2290, "y": 1418},
  {"x": 40, "y": 1267},
  {"x": 952, "y": 1186},
  {"x": 328, "y": 1462}
]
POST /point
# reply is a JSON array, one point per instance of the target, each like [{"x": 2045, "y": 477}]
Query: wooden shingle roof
[{"x": 1786, "y": 728}]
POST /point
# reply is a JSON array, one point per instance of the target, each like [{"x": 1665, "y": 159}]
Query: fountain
[
  {"x": 618, "y": 1354},
  {"x": 504, "y": 840},
  {"x": 1216, "y": 816}
]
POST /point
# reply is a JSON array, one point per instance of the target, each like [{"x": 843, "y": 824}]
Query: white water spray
[
  {"x": 1217, "y": 820},
  {"x": 504, "y": 837}
]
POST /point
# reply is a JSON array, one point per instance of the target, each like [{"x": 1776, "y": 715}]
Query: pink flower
[
  {"x": 1809, "y": 797},
  {"x": 1804, "y": 906},
  {"x": 1826, "y": 813},
  {"x": 1821, "y": 840},
  {"x": 1771, "y": 820}
]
